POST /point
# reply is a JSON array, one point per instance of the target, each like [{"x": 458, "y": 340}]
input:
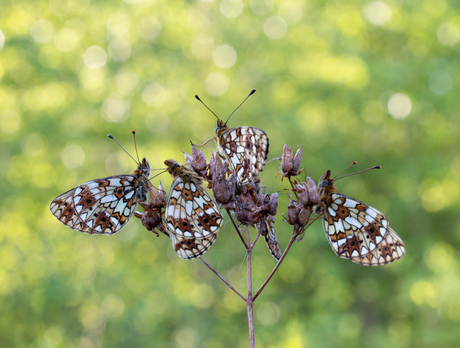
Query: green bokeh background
[{"x": 372, "y": 81}]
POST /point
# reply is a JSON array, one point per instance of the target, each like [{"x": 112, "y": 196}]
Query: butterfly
[
  {"x": 268, "y": 231},
  {"x": 191, "y": 216},
  {"x": 355, "y": 230},
  {"x": 103, "y": 206},
  {"x": 245, "y": 149}
]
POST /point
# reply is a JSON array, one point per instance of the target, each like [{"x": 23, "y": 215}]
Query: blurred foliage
[{"x": 373, "y": 81}]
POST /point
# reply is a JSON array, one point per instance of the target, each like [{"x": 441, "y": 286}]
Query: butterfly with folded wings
[
  {"x": 191, "y": 216},
  {"x": 355, "y": 230},
  {"x": 245, "y": 149},
  {"x": 103, "y": 206}
]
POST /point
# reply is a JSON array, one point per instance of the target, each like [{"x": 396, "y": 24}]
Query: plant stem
[
  {"x": 236, "y": 228},
  {"x": 250, "y": 301},
  {"x": 295, "y": 233},
  {"x": 222, "y": 278}
]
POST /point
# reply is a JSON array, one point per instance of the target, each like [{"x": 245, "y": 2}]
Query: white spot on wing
[{"x": 353, "y": 221}]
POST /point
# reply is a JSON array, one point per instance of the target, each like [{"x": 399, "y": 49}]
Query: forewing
[
  {"x": 101, "y": 206},
  {"x": 245, "y": 149},
  {"x": 192, "y": 218},
  {"x": 268, "y": 232},
  {"x": 360, "y": 233}
]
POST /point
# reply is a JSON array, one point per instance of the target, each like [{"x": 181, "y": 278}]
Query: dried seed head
[
  {"x": 286, "y": 160},
  {"x": 291, "y": 212},
  {"x": 196, "y": 162},
  {"x": 157, "y": 198},
  {"x": 224, "y": 189},
  {"x": 313, "y": 191},
  {"x": 302, "y": 193},
  {"x": 273, "y": 204},
  {"x": 303, "y": 215},
  {"x": 246, "y": 211},
  {"x": 296, "y": 161}
]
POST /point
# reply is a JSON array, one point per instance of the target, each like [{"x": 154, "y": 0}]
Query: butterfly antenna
[
  {"x": 111, "y": 137},
  {"x": 202, "y": 102},
  {"x": 163, "y": 171},
  {"x": 251, "y": 93},
  {"x": 135, "y": 144},
  {"x": 364, "y": 170}
]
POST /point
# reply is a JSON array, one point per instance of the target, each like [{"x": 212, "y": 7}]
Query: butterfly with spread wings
[
  {"x": 355, "y": 230},
  {"x": 245, "y": 149},
  {"x": 191, "y": 216},
  {"x": 103, "y": 206}
]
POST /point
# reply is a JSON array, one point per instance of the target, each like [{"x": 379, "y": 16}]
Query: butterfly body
[
  {"x": 355, "y": 230},
  {"x": 103, "y": 206},
  {"x": 191, "y": 216}
]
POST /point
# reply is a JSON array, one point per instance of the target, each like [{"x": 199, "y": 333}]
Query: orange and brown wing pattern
[
  {"x": 191, "y": 216},
  {"x": 245, "y": 149},
  {"x": 101, "y": 206},
  {"x": 359, "y": 232}
]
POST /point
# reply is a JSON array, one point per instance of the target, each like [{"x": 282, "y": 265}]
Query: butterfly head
[
  {"x": 174, "y": 168},
  {"x": 221, "y": 127},
  {"x": 143, "y": 168},
  {"x": 326, "y": 184}
]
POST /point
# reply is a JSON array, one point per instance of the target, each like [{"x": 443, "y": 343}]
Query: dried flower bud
[
  {"x": 273, "y": 204},
  {"x": 157, "y": 198},
  {"x": 296, "y": 161},
  {"x": 197, "y": 162},
  {"x": 303, "y": 215},
  {"x": 302, "y": 193},
  {"x": 151, "y": 219},
  {"x": 224, "y": 189},
  {"x": 286, "y": 160},
  {"x": 291, "y": 212},
  {"x": 313, "y": 192},
  {"x": 246, "y": 210},
  {"x": 216, "y": 166}
]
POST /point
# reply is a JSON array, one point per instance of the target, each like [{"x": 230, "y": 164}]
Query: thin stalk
[
  {"x": 250, "y": 301},
  {"x": 236, "y": 228},
  {"x": 291, "y": 241},
  {"x": 261, "y": 226},
  {"x": 222, "y": 278}
]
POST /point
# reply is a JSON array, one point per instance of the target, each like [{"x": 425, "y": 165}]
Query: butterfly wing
[
  {"x": 192, "y": 218},
  {"x": 101, "y": 206},
  {"x": 245, "y": 149},
  {"x": 359, "y": 232},
  {"x": 268, "y": 232}
]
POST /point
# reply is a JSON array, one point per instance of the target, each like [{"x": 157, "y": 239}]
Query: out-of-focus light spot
[
  {"x": 399, "y": 331},
  {"x": 154, "y": 94},
  {"x": 127, "y": 83},
  {"x": 186, "y": 337},
  {"x": 115, "y": 110},
  {"x": 439, "y": 258},
  {"x": 440, "y": 82},
  {"x": 42, "y": 175},
  {"x": 77, "y": 26},
  {"x": 156, "y": 121},
  {"x": 149, "y": 28},
  {"x": 41, "y": 31},
  {"x": 9, "y": 121},
  {"x": 73, "y": 156},
  {"x": 290, "y": 11},
  {"x": 65, "y": 40},
  {"x": 120, "y": 49},
  {"x": 198, "y": 16},
  {"x": 53, "y": 336},
  {"x": 202, "y": 296},
  {"x": 203, "y": 46},
  {"x": 59, "y": 8},
  {"x": 112, "y": 306},
  {"x": 275, "y": 27},
  {"x": 224, "y": 56},
  {"x": 98, "y": 31},
  {"x": 433, "y": 196},
  {"x": 337, "y": 9},
  {"x": 231, "y": 8},
  {"x": 423, "y": 292},
  {"x": 92, "y": 318},
  {"x": 118, "y": 25},
  {"x": 377, "y": 13},
  {"x": 217, "y": 83},
  {"x": 399, "y": 106},
  {"x": 50, "y": 96},
  {"x": 32, "y": 144},
  {"x": 448, "y": 34},
  {"x": 95, "y": 57},
  {"x": 2, "y": 39},
  {"x": 93, "y": 81},
  {"x": 268, "y": 313},
  {"x": 261, "y": 7}
]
